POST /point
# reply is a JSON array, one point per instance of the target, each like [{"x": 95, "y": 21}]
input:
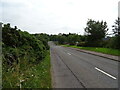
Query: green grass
[
  {"x": 98, "y": 49},
  {"x": 38, "y": 76},
  {"x": 29, "y": 76}
]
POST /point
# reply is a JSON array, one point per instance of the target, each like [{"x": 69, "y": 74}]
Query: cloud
[
  {"x": 119, "y": 9},
  {"x": 55, "y": 16}
]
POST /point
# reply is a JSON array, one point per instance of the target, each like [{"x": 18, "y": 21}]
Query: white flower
[
  {"x": 22, "y": 80},
  {"x": 32, "y": 75}
]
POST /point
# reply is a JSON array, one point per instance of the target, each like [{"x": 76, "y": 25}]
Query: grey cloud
[
  {"x": 49, "y": 16},
  {"x": 8, "y": 4}
]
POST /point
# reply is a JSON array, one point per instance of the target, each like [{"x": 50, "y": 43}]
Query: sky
[{"x": 57, "y": 16}]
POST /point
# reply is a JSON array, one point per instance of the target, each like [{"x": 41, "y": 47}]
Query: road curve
[{"x": 75, "y": 69}]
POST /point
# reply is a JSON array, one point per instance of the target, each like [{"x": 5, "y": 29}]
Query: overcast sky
[{"x": 57, "y": 16}]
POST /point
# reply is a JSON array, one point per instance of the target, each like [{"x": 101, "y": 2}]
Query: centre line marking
[
  {"x": 105, "y": 73},
  {"x": 68, "y": 53}
]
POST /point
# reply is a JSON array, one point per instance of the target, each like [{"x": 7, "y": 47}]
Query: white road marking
[
  {"x": 68, "y": 53},
  {"x": 105, "y": 73}
]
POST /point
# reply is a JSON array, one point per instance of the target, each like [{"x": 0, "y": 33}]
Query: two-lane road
[{"x": 75, "y": 69}]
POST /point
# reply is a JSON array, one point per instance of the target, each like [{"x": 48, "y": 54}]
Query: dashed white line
[
  {"x": 68, "y": 53},
  {"x": 105, "y": 73}
]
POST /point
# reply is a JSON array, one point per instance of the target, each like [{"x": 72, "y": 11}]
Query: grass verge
[
  {"x": 30, "y": 76},
  {"x": 39, "y": 75},
  {"x": 98, "y": 49}
]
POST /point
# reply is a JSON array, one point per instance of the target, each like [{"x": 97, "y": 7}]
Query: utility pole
[
  {"x": 0, "y": 31},
  {"x": 0, "y": 55},
  {"x": 119, "y": 18}
]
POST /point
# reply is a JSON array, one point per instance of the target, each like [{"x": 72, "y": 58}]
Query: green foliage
[
  {"x": 24, "y": 43},
  {"x": 53, "y": 37},
  {"x": 72, "y": 39},
  {"x": 115, "y": 42},
  {"x": 116, "y": 27},
  {"x": 67, "y": 38},
  {"x": 95, "y": 32},
  {"x": 62, "y": 39},
  {"x": 21, "y": 50},
  {"x": 38, "y": 76},
  {"x": 82, "y": 44},
  {"x": 10, "y": 35},
  {"x": 44, "y": 38},
  {"x": 29, "y": 76}
]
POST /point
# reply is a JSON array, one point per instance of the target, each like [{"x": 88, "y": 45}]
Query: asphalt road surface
[{"x": 75, "y": 69}]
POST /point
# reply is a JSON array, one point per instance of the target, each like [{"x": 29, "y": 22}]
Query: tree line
[
  {"x": 18, "y": 44},
  {"x": 96, "y": 35},
  {"x": 22, "y": 50}
]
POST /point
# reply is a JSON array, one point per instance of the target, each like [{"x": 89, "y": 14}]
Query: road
[{"x": 75, "y": 69}]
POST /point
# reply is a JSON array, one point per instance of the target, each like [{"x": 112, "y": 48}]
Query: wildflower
[
  {"x": 22, "y": 80},
  {"x": 32, "y": 75}
]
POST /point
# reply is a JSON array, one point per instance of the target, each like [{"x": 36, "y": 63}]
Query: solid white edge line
[{"x": 105, "y": 73}]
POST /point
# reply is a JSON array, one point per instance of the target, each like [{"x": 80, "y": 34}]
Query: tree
[
  {"x": 44, "y": 38},
  {"x": 116, "y": 27},
  {"x": 73, "y": 38},
  {"x": 115, "y": 43},
  {"x": 61, "y": 39},
  {"x": 95, "y": 31}
]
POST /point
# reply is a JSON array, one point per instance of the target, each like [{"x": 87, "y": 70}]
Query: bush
[
  {"x": 21, "y": 52},
  {"x": 17, "y": 44},
  {"x": 82, "y": 44},
  {"x": 114, "y": 42}
]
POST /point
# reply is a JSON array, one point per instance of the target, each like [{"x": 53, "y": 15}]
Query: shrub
[{"x": 17, "y": 44}]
